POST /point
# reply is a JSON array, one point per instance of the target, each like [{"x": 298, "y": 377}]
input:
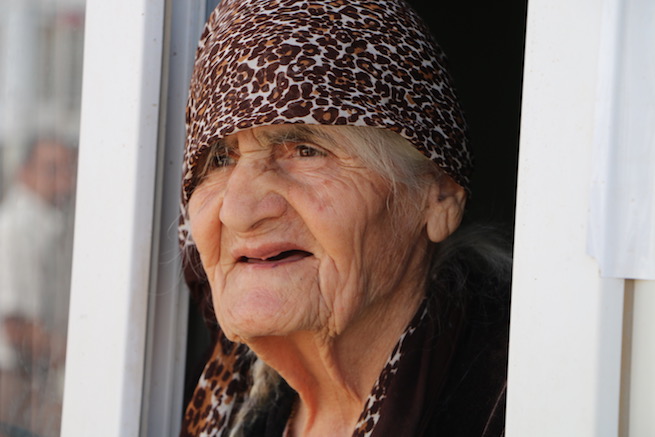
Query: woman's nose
[{"x": 250, "y": 198}]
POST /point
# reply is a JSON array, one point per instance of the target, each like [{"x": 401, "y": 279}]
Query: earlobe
[{"x": 444, "y": 208}]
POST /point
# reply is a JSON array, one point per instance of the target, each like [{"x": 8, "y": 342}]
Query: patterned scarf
[{"x": 338, "y": 62}]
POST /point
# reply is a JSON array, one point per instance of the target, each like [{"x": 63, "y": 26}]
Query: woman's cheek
[{"x": 205, "y": 228}]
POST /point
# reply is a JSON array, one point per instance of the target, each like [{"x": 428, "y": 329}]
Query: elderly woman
[{"x": 325, "y": 171}]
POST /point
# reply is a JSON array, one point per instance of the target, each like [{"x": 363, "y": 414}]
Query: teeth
[
  {"x": 299, "y": 254},
  {"x": 279, "y": 256},
  {"x": 287, "y": 254}
]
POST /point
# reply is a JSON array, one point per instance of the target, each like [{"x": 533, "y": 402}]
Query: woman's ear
[{"x": 444, "y": 208}]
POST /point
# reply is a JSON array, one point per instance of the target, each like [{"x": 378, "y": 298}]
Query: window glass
[{"x": 40, "y": 87}]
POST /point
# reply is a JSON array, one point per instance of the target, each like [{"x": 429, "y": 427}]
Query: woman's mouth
[{"x": 284, "y": 256}]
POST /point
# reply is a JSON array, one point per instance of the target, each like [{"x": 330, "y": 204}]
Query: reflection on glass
[{"x": 40, "y": 82}]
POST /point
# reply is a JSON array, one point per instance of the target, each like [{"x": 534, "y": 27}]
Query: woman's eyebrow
[
  {"x": 293, "y": 134},
  {"x": 221, "y": 146},
  {"x": 226, "y": 143}
]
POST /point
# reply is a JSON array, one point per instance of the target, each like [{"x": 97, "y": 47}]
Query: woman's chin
[
  {"x": 241, "y": 331},
  {"x": 259, "y": 314}
]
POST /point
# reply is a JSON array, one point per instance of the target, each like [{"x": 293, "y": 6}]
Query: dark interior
[{"x": 484, "y": 42}]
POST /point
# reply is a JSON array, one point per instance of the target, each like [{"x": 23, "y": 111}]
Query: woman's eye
[
  {"x": 306, "y": 151},
  {"x": 219, "y": 161},
  {"x": 221, "y": 157}
]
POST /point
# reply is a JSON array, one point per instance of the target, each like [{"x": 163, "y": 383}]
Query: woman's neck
[{"x": 334, "y": 375}]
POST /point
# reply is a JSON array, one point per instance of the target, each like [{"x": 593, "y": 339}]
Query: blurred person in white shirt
[{"x": 35, "y": 262}]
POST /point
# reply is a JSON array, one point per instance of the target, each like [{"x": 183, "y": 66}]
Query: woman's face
[{"x": 296, "y": 235}]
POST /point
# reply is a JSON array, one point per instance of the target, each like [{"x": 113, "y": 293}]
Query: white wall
[
  {"x": 585, "y": 186},
  {"x": 565, "y": 343}
]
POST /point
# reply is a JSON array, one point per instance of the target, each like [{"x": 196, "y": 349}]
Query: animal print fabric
[
  {"x": 331, "y": 62},
  {"x": 222, "y": 385},
  {"x": 371, "y": 414}
]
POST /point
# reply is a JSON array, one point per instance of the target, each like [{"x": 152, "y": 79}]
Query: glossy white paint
[
  {"x": 642, "y": 363},
  {"x": 565, "y": 344},
  {"x": 168, "y": 299},
  {"x": 114, "y": 221}
]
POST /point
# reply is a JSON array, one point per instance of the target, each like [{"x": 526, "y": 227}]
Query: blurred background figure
[
  {"x": 41, "y": 44},
  {"x": 35, "y": 261}
]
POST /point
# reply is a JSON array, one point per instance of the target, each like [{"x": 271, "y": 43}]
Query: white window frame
[
  {"x": 128, "y": 314},
  {"x": 127, "y": 330},
  {"x": 168, "y": 307},
  {"x": 115, "y": 274},
  {"x": 580, "y": 360},
  {"x": 565, "y": 341}
]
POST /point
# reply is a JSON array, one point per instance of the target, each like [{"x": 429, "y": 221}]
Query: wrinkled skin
[
  {"x": 310, "y": 260},
  {"x": 279, "y": 191}
]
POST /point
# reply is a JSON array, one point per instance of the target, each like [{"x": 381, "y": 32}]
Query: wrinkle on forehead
[
  {"x": 292, "y": 133},
  {"x": 289, "y": 133}
]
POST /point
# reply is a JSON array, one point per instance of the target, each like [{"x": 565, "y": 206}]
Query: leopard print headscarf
[{"x": 338, "y": 62}]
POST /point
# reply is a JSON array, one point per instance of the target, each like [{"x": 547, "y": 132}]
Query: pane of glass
[{"x": 40, "y": 87}]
